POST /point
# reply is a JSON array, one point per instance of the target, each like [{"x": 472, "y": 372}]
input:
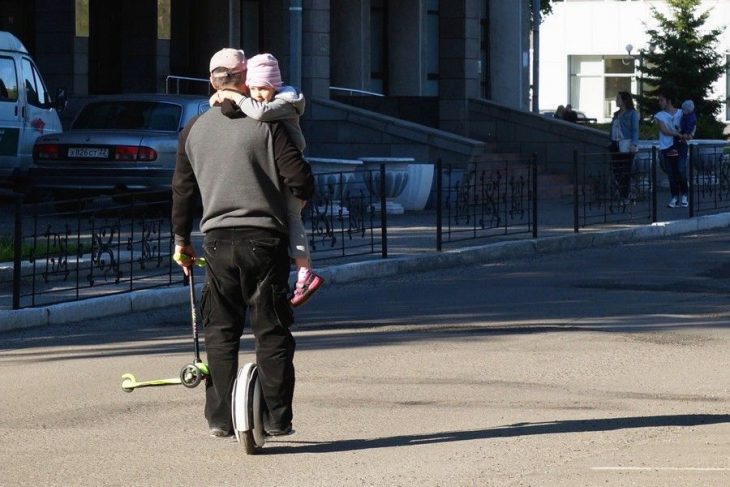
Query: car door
[
  {"x": 38, "y": 117},
  {"x": 10, "y": 120}
]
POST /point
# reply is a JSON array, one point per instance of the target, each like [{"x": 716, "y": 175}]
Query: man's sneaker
[
  {"x": 218, "y": 432},
  {"x": 305, "y": 288},
  {"x": 673, "y": 202},
  {"x": 280, "y": 432},
  {"x": 684, "y": 202}
]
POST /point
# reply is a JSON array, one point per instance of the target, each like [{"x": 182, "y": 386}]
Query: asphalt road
[{"x": 601, "y": 367}]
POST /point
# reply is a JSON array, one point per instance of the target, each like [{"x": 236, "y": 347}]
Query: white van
[{"x": 26, "y": 110}]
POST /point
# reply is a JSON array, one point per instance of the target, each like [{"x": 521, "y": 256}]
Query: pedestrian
[
  {"x": 570, "y": 115},
  {"x": 270, "y": 100},
  {"x": 687, "y": 127},
  {"x": 668, "y": 120},
  {"x": 559, "y": 112},
  {"x": 624, "y": 142},
  {"x": 238, "y": 165}
]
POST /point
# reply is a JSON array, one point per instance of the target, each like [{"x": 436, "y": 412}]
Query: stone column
[
  {"x": 458, "y": 62},
  {"x": 316, "y": 48},
  {"x": 350, "y": 55},
  {"x": 509, "y": 53}
]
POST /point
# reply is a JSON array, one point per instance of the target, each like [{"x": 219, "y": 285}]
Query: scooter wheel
[
  {"x": 191, "y": 376},
  {"x": 128, "y": 381}
]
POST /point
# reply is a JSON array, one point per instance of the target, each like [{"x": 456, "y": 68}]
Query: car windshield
[{"x": 129, "y": 115}]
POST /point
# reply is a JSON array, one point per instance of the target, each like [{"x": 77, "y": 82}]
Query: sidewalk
[{"x": 411, "y": 248}]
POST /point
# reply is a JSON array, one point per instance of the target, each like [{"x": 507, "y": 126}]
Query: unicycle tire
[{"x": 247, "y": 408}]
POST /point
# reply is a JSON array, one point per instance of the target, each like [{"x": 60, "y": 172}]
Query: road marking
[{"x": 685, "y": 469}]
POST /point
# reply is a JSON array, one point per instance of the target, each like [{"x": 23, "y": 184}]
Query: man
[
  {"x": 570, "y": 115},
  {"x": 240, "y": 165}
]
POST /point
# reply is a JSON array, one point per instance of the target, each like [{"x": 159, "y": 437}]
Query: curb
[{"x": 151, "y": 299}]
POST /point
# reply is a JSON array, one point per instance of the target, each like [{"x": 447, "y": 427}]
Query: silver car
[{"x": 116, "y": 143}]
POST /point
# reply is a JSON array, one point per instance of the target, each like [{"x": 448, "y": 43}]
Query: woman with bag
[{"x": 624, "y": 142}]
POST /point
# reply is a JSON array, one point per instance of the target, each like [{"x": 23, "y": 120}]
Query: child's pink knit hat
[{"x": 263, "y": 70}]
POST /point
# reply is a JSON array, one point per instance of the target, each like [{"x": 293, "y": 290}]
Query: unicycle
[{"x": 247, "y": 409}]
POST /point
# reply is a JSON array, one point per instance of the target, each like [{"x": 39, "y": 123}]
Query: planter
[
  {"x": 396, "y": 179},
  {"x": 333, "y": 178},
  {"x": 418, "y": 189}
]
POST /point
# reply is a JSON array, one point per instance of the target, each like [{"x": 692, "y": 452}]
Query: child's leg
[
  {"x": 307, "y": 280},
  {"x": 298, "y": 244}
]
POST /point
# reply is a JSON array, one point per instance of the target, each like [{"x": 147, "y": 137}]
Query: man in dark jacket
[{"x": 239, "y": 166}]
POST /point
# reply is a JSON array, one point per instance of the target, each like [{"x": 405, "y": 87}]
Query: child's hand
[{"x": 214, "y": 99}]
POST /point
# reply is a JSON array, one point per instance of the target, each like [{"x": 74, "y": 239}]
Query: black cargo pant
[{"x": 248, "y": 269}]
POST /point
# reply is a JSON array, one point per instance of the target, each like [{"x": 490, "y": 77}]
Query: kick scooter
[{"x": 191, "y": 374}]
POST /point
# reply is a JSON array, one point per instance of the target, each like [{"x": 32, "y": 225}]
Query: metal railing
[
  {"x": 77, "y": 249},
  {"x": 484, "y": 199},
  {"x": 68, "y": 250},
  {"x": 170, "y": 79},
  {"x": 353, "y": 91}
]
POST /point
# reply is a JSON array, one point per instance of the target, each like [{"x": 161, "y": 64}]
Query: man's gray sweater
[{"x": 239, "y": 165}]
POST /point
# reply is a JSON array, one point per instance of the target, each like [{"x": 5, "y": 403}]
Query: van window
[
  {"x": 36, "y": 91},
  {"x": 8, "y": 80}
]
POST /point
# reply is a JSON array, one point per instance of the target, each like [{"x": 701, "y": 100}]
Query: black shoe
[{"x": 280, "y": 432}]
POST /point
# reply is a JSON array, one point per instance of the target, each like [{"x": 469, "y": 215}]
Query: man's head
[
  {"x": 568, "y": 107},
  {"x": 228, "y": 69},
  {"x": 263, "y": 77},
  {"x": 665, "y": 99}
]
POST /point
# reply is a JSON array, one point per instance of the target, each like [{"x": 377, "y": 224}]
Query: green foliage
[
  {"x": 685, "y": 62},
  {"x": 546, "y": 8}
]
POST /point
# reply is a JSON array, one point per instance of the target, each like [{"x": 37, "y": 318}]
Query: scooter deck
[{"x": 130, "y": 382}]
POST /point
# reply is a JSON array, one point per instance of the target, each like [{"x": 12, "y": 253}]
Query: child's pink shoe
[{"x": 305, "y": 288}]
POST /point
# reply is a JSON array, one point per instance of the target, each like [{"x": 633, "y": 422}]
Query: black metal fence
[
  {"x": 709, "y": 176},
  {"x": 76, "y": 249},
  {"x": 487, "y": 198},
  {"x": 609, "y": 191}
]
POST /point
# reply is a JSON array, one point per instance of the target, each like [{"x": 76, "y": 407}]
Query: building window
[
  {"x": 432, "y": 48},
  {"x": 163, "y": 19},
  {"x": 378, "y": 43},
  {"x": 82, "y": 18},
  {"x": 596, "y": 80}
]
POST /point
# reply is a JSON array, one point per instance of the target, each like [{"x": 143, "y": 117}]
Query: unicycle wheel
[
  {"x": 191, "y": 375},
  {"x": 248, "y": 409}
]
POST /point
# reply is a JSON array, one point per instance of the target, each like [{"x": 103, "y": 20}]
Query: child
[
  {"x": 271, "y": 101},
  {"x": 688, "y": 123}
]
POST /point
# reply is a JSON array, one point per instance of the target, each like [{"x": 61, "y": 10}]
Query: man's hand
[{"x": 184, "y": 257}]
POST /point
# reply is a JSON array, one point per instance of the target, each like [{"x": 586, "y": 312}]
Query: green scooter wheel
[{"x": 191, "y": 376}]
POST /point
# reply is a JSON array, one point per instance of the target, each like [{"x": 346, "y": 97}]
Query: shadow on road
[{"x": 508, "y": 431}]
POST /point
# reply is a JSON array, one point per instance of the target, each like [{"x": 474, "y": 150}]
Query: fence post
[
  {"x": 576, "y": 215},
  {"x": 690, "y": 181},
  {"x": 533, "y": 169},
  {"x": 653, "y": 184},
  {"x": 439, "y": 202},
  {"x": 383, "y": 214},
  {"x": 17, "y": 250}
]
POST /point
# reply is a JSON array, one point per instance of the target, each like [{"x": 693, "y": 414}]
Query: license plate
[{"x": 88, "y": 152}]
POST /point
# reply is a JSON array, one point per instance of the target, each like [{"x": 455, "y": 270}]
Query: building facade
[
  {"x": 589, "y": 51},
  {"x": 441, "y": 52}
]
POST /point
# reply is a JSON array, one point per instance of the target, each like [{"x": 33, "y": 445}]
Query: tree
[
  {"x": 546, "y": 8},
  {"x": 685, "y": 61}
]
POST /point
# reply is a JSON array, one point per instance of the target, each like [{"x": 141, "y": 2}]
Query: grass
[{"x": 7, "y": 246}]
